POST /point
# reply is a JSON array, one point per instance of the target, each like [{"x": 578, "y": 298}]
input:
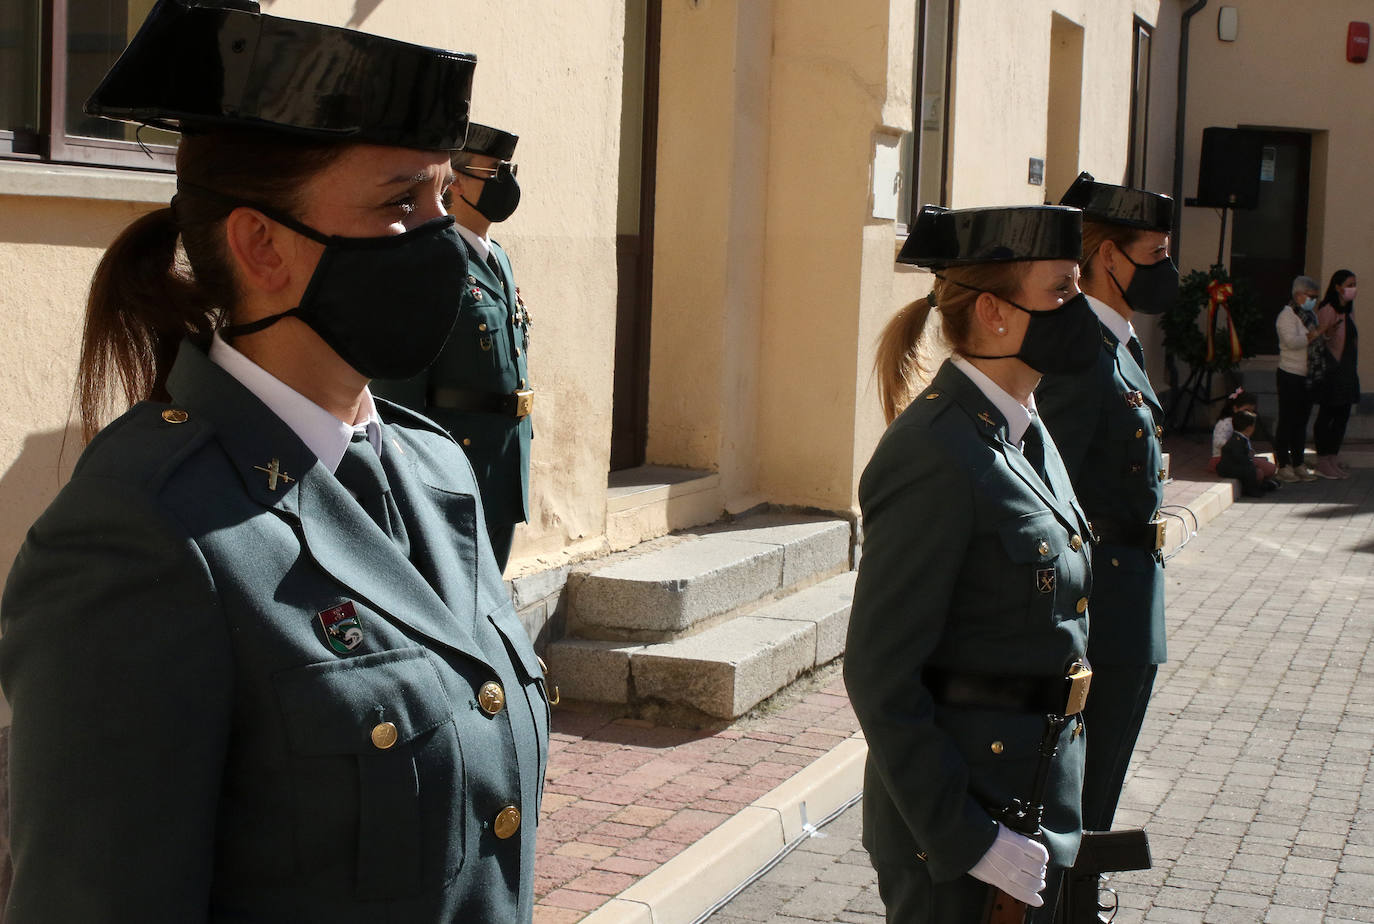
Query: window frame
[
  {"x": 53, "y": 143},
  {"x": 912, "y": 192},
  {"x": 1137, "y": 146}
]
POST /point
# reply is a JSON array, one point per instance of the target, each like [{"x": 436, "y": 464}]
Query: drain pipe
[{"x": 1180, "y": 113}]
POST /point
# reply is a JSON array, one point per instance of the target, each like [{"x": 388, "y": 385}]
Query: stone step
[
  {"x": 686, "y": 583},
  {"x": 721, "y": 672}
]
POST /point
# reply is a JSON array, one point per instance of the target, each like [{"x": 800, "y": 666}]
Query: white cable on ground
[
  {"x": 808, "y": 831},
  {"x": 1168, "y": 510}
]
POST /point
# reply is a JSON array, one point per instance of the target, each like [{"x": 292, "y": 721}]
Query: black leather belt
[
  {"x": 517, "y": 404},
  {"x": 1148, "y": 536},
  {"x": 1009, "y": 692}
]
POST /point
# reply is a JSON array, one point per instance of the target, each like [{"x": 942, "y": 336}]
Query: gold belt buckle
[
  {"x": 1080, "y": 678},
  {"x": 524, "y": 402},
  {"x": 1161, "y": 530}
]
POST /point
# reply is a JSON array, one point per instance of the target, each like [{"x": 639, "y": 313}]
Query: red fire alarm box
[{"x": 1357, "y": 43}]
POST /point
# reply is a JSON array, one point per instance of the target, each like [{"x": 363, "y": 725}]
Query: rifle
[
  {"x": 1101, "y": 852},
  {"x": 1024, "y": 818}
]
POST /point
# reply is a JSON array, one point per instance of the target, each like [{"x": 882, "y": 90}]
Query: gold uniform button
[
  {"x": 507, "y": 822},
  {"x": 175, "y": 415},
  {"x": 998, "y": 747},
  {"x": 466, "y": 441},
  {"x": 1076, "y": 542},
  {"x": 1043, "y": 548},
  {"x": 1159, "y": 431},
  {"x": 481, "y": 327},
  {"x": 1139, "y": 434},
  {"x": 1082, "y": 605},
  {"x": 491, "y": 697},
  {"x": 384, "y": 735},
  {"x": 1116, "y": 563}
]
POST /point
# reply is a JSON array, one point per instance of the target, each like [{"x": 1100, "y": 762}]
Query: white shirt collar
[
  {"x": 1121, "y": 328},
  {"x": 321, "y": 432},
  {"x": 480, "y": 244},
  {"x": 1018, "y": 416}
]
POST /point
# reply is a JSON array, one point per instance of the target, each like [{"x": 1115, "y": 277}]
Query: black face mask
[
  {"x": 386, "y": 305},
  {"x": 500, "y": 194},
  {"x": 1062, "y": 340},
  {"x": 1153, "y": 288}
]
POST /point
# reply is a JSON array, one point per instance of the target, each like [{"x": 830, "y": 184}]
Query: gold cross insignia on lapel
[
  {"x": 986, "y": 418},
  {"x": 274, "y": 474}
]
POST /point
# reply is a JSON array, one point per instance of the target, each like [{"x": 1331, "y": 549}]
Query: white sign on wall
[{"x": 887, "y": 176}]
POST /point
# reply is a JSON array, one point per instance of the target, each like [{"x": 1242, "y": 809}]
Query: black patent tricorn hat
[
  {"x": 196, "y": 65},
  {"x": 491, "y": 142},
  {"x": 1120, "y": 205},
  {"x": 963, "y": 237}
]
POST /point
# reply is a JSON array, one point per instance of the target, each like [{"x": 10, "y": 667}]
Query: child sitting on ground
[
  {"x": 1238, "y": 400},
  {"x": 1238, "y": 458}
]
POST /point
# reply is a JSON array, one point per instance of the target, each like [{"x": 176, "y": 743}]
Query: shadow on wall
[{"x": 28, "y": 486}]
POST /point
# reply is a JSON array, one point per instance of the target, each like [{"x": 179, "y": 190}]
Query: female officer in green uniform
[
  {"x": 478, "y": 389},
  {"x": 970, "y": 611},
  {"x": 260, "y": 658},
  {"x": 1106, "y": 422}
]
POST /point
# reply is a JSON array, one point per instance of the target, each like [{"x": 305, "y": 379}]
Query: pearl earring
[{"x": 1001, "y": 330}]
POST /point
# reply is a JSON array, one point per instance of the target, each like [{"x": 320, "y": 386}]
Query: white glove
[{"x": 1016, "y": 865}]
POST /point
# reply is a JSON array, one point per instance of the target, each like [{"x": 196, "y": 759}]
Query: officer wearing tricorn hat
[
  {"x": 261, "y": 661},
  {"x": 1107, "y": 422},
  {"x": 965, "y": 656},
  {"x": 479, "y": 387}
]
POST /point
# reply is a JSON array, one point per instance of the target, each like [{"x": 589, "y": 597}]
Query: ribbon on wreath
[{"x": 1218, "y": 295}]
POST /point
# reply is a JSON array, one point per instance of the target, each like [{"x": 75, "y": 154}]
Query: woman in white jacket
[{"x": 1297, "y": 327}]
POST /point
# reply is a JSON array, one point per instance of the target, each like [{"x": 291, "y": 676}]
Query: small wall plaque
[{"x": 1037, "y": 171}]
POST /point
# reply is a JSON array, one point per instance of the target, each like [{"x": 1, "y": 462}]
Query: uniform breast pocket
[
  {"x": 1132, "y": 429},
  {"x": 379, "y": 773},
  {"x": 484, "y": 336},
  {"x": 1034, "y": 543}
]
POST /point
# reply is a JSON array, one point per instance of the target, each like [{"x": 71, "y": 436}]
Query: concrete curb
[{"x": 686, "y": 886}]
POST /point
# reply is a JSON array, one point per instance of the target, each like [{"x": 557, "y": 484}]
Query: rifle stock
[{"x": 1001, "y": 908}]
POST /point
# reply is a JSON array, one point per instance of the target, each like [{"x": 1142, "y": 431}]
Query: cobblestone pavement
[{"x": 1253, "y": 772}]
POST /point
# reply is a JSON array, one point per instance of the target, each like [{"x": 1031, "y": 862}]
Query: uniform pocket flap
[
  {"x": 517, "y": 640},
  {"x": 343, "y": 707},
  {"x": 1033, "y": 537}
]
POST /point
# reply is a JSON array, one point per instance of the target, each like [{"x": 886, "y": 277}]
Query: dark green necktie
[
  {"x": 1033, "y": 447},
  {"x": 360, "y": 471},
  {"x": 1137, "y": 351}
]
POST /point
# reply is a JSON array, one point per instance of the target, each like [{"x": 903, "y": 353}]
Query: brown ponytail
[
  {"x": 148, "y": 294},
  {"x": 901, "y": 363}
]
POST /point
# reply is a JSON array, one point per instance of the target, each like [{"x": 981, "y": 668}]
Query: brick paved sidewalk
[{"x": 623, "y": 796}]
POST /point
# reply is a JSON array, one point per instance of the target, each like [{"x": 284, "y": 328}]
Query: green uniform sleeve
[
  {"x": 116, "y": 661},
  {"x": 917, "y": 519}
]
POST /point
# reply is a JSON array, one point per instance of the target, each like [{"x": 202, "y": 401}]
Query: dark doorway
[
  {"x": 634, "y": 241},
  {"x": 1269, "y": 242}
]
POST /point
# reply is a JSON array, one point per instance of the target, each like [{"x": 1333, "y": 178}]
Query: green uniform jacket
[
  {"x": 1113, "y": 454},
  {"x": 188, "y": 747},
  {"x": 486, "y": 353},
  {"x": 970, "y": 563}
]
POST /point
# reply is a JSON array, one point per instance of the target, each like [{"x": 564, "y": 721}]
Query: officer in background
[
  {"x": 1106, "y": 423},
  {"x": 478, "y": 389}
]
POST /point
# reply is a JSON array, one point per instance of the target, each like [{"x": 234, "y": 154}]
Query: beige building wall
[
  {"x": 1015, "y": 66},
  {"x": 1287, "y": 70}
]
